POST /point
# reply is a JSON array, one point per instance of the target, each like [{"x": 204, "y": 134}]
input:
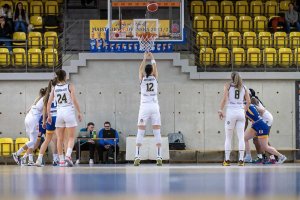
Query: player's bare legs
[{"x": 139, "y": 140}]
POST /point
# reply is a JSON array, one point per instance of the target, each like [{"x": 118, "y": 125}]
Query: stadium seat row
[
  {"x": 33, "y": 58},
  {"x": 35, "y": 39},
  {"x": 230, "y": 23},
  {"x": 36, "y": 7},
  {"x": 253, "y": 57},
  {"x": 256, "y": 8},
  {"x": 248, "y": 40},
  {"x": 8, "y": 145}
]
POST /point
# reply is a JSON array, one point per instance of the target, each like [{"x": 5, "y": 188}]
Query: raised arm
[
  {"x": 223, "y": 101},
  {"x": 142, "y": 67},
  {"x": 75, "y": 102},
  {"x": 155, "y": 72}
]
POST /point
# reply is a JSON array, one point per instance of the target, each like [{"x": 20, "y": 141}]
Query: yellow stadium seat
[
  {"x": 19, "y": 57},
  {"x": 51, "y": 8},
  {"x": 4, "y": 57},
  {"x": 245, "y": 23},
  {"x": 6, "y": 146},
  {"x": 241, "y": 8},
  {"x": 197, "y": 8},
  {"x": 234, "y": 39},
  {"x": 222, "y": 57},
  {"x": 206, "y": 56},
  {"x": 270, "y": 57},
  {"x": 215, "y": 23},
  {"x": 10, "y": 3},
  {"x": 200, "y": 23},
  {"x": 50, "y": 39},
  {"x": 239, "y": 56},
  {"x": 284, "y": 5},
  {"x": 230, "y": 23},
  {"x": 250, "y": 40},
  {"x": 260, "y": 23},
  {"x": 35, "y": 40},
  {"x": 212, "y": 8},
  {"x": 295, "y": 40},
  {"x": 50, "y": 57},
  {"x": 256, "y": 8},
  {"x": 285, "y": 57},
  {"x": 280, "y": 40},
  {"x": 218, "y": 39},
  {"x": 227, "y": 8},
  {"x": 19, "y": 143},
  {"x": 36, "y": 8},
  {"x": 19, "y": 39},
  {"x": 37, "y": 22},
  {"x": 253, "y": 57},
  {"x": 271, "y": 8},
  {"x": 297, "y": 57},
  {"x": 203, "y": 40},
  {"x": 34, "y": 57},
  {"x": 265, "y": 40}
]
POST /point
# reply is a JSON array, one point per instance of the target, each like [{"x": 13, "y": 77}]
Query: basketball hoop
[{"x": 146, "y": 41}]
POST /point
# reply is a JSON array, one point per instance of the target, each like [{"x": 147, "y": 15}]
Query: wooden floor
[{"x": 172, "y": 181}]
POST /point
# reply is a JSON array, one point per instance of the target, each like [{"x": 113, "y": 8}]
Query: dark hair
[
  {"x": 148, "y": 70},
  {"x": 43, "y": 91},
  {"x": 61, "y": 75},
  {"x": 252, "y": 95},
  {"x": 90, "y": 123},
  {"x": 291, "y": 3},
  {"x": 51, "y": 84},
  {"x": 107, "y": 122},
  {"x": 22, "y": 12},
  {"x": 6, "y": 6}
]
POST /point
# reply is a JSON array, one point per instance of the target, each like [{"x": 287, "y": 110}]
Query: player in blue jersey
[
  {"x": 50, "y": 128},
  {"x": 260, "y": 129}
]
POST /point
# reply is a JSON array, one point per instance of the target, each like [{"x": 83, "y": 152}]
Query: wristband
[{"x": 153, "y": 62}]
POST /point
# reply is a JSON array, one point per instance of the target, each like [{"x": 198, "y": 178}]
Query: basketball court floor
[{"x": 171, "y": 181}]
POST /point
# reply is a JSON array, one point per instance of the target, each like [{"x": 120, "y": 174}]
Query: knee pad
[
  {"x": 157, "y": 136},
  {"x": 139, "y": 136}
]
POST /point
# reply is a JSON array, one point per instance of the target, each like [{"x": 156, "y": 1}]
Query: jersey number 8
[
  {"x": 236, "y": 94},
  {"x": 62, "y": 98}
]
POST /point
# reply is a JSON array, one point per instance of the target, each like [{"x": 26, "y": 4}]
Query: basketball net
[{"x": 146, "y": 41}]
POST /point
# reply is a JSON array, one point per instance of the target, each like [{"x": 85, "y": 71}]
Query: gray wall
[{"x": 109, "y": 90}]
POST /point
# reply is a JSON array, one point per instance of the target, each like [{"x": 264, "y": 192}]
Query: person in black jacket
[{"x": 5, "y": 34}]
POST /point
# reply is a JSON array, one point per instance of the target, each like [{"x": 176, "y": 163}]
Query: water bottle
[{"x": 94, "y": 134}]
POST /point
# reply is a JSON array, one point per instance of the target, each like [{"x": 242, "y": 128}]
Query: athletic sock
[
  {"x": 158, "y": 152},
  {"x": 30, "y": 158},
  {"x": 69, "y": 152},
  {"x": 55, "y": 157},
  {"x": 25, "y": 155},
  {"x": 20, "y": 151},
  {"x": 259, "y": 156},
  {"x": 137, "y": 151},
  {"x": 61, "y": 158},
  {"x": 40, "y": 158},
  {"x": 241, "y": 155},
  {"x": 272, "y": 157},
  {"x": 227, "y": 155}
]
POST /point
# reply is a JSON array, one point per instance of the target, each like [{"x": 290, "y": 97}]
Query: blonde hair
[{"x": 237, "y": 80}]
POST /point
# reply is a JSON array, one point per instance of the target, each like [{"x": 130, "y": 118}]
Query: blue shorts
[
  {"x": 41, "y": 129},
  {"x": 261, "y": 128},
  {"x": 51, "y": 127}
]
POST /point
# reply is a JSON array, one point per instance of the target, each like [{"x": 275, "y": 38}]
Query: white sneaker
[
  {"x": 137, "y": 161},
  {"x": 30, "y": 163},
  {"x": 248, "y": 159},
  {"x": 77, "y": 162},
  {"x": 62, "y": 163},
  {"x": 91, "y": 162},
  {"x": 23, "y": 161},
  {"x": 16, "y": 158},
  {"x": 69, "y": 162},
  {"x": 38, "y": 163},
  {"x": 159, "y": 161},
  {"x": 281, "y": 159}
]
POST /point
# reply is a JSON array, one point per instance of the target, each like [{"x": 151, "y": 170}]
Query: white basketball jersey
[
  {"x": 236, "y": 97},
  {"x": 149, "y": 88},
  {"x": 62, "y": 95},
  {"x": 37, "y": 109}
]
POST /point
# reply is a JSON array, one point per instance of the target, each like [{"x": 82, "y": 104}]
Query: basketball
[{"x": 152, "y": 7}]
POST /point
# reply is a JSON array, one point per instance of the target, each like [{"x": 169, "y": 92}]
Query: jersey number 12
[
  {"x": 61, "y": 98},
  {"x": 150, "y": 87}
]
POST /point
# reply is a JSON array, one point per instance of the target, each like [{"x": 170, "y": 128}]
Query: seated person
[
  {"x": 20, "y": 18},
  {"x": 291, "y": 18},
  {"x": 88, "y": 144},
  {"x": 108, "y": 145},
  {"x": 5, "y": 34}
]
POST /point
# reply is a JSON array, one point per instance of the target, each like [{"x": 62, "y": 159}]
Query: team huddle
[
  {"x": 244, "y": 106},
  {"x": 54, "y": 111}
]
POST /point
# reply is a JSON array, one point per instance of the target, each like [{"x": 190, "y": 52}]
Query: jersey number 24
[{"x": 61, "y": 98}]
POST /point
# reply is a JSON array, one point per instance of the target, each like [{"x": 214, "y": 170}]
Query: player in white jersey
[
  {"x": 149, "y": 108},
  {"x": 32, "y": 129},
  {"x": 64, "y": 95},
  {"x": 50, "y": 128},
  {"x": 234, "y": 95}
]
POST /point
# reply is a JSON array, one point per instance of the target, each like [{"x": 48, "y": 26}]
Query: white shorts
[
  {"x": 268, "y": 118},
  {"x": 234, "y": 115},
  {"x": 32, "y": 124},
  {"x": 66, "y": 117},
  {"x": 149, "y": 111}
]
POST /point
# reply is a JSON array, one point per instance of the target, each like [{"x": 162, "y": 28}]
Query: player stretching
[
  {"x": 149, "y": 108},
  {"x": 234, "y": 94},
  {"x": 64, "y": 95}
]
